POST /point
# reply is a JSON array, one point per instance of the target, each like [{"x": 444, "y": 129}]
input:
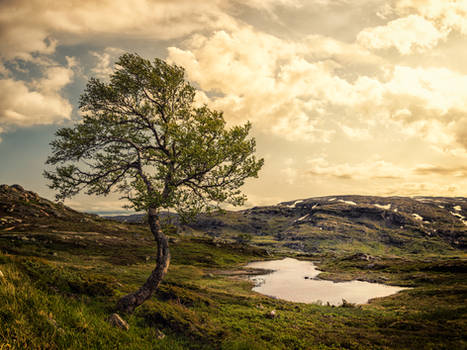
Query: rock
[
  {"x": 345, "y": 303},
  {"x": 360, "y": 256},
  {"x": 159, "y": 334},
  {"x": 52, "y": 322},
  {"x": 17, "y": 187},
  {"x": 271, "y": 314},
  {"x": 260, "y": 306},
  {"x": 116, "y": 321}
]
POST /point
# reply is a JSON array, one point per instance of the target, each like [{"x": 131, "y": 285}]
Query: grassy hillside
[{"x": 63, "y": 272}]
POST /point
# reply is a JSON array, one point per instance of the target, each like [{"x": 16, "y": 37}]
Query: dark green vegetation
[{"x": 60, "y": 286}]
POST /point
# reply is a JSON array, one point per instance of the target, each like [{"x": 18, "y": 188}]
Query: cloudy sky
[{"x": 345, "y": 96}]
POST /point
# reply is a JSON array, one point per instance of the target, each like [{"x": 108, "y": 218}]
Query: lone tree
[{"x": 141, "y": 135}]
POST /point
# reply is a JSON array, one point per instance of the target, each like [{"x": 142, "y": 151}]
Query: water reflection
[{"x": 293, "y": 280}]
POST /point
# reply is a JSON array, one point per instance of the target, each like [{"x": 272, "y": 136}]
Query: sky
[{"x": 345, "y": 96}]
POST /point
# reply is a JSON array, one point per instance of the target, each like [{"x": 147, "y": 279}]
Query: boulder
[
  {"x": 18, "y": 187},
  {"x": 272, "y": 314},
  {"x": 159, "y": 334},
  {"x": 360, "y": 256},
  {"x": 116, "y": 321}
]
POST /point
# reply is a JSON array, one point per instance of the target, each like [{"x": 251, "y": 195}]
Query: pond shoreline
[{"x": 301, "y": 281}]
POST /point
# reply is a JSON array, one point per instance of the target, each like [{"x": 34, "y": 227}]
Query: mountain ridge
[
  {"x": 371, "y": 224},
  {"x": 311, "y": 224}
]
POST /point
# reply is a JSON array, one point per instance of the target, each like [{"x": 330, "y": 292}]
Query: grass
[{"x": 59, "y": 289}]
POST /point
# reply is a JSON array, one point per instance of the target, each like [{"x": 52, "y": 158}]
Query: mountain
[{"x": 346, "y": 223}]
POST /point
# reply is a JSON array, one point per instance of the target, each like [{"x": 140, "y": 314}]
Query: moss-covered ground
[{"x": 60, "y": 284}]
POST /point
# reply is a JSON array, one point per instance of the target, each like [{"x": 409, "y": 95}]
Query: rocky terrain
[
  {"x": 20, "y": 209},
  {"x": 415, "y": 225}
]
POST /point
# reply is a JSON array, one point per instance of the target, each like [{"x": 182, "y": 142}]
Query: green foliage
[{"x": 142, "y": 135}]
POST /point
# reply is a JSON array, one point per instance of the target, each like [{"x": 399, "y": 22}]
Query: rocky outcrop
[
  {"x": 116, "y": 321},
  {"x": 389, "y": 220},
  {"x": 21, "y": 208}
]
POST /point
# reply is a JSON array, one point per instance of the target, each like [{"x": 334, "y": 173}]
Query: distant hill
[
  {"x": 21, "y": 209},
  {"x": 332, "y": 223},
  {"x": 375, "y": 225}
]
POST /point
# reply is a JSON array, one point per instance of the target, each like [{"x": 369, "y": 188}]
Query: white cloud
[
  {"x": 372, "y": 168},
  {"x": 319, "y": 47},
  {"x": 294, "y": 89},
  {"x": 449, "y": 14},
  {"x": 270, "y": 81},
  {"x": 269, "y": 4},
  {"x": 356, "y": 133},
  {"x": 408, "y": 35},
  {"x": 34, "y": 26},
  {"x": 105, "y": 61},
  {"x": 38, "y": 102}
]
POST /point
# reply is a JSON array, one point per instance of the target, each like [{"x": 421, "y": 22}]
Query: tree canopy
[{"x": 142, "y": 135}]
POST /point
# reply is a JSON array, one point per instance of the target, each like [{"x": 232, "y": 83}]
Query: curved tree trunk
[{"x": 129, "y": 302}]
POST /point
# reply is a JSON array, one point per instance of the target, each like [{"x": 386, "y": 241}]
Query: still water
[{"x": 292, "y": 280}]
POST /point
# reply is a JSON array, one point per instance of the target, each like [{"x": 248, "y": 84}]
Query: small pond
[{"x": 295, "y": 280}]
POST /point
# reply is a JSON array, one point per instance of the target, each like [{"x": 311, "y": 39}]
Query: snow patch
[
  {"x": 461, "y": 217},
  {"x": 423, "y": 200},
  {"x": 457, "y": 208},
  {"x": 347, "y": 202},
  {"x": 387, "y": 206},
  {"x": 331, "y": 199},
  {"x": 303, "y": 217},
  {"x": 441, "y": 206},
  {"x": 417, "y": 217},
  {"x": 314, "y": 206},
  {"x": 395, "y": 210},
  {"x": 294, "y": 204}
]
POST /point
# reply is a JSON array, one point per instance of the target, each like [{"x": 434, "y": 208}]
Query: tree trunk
[{"x": 129, "y": 302}]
